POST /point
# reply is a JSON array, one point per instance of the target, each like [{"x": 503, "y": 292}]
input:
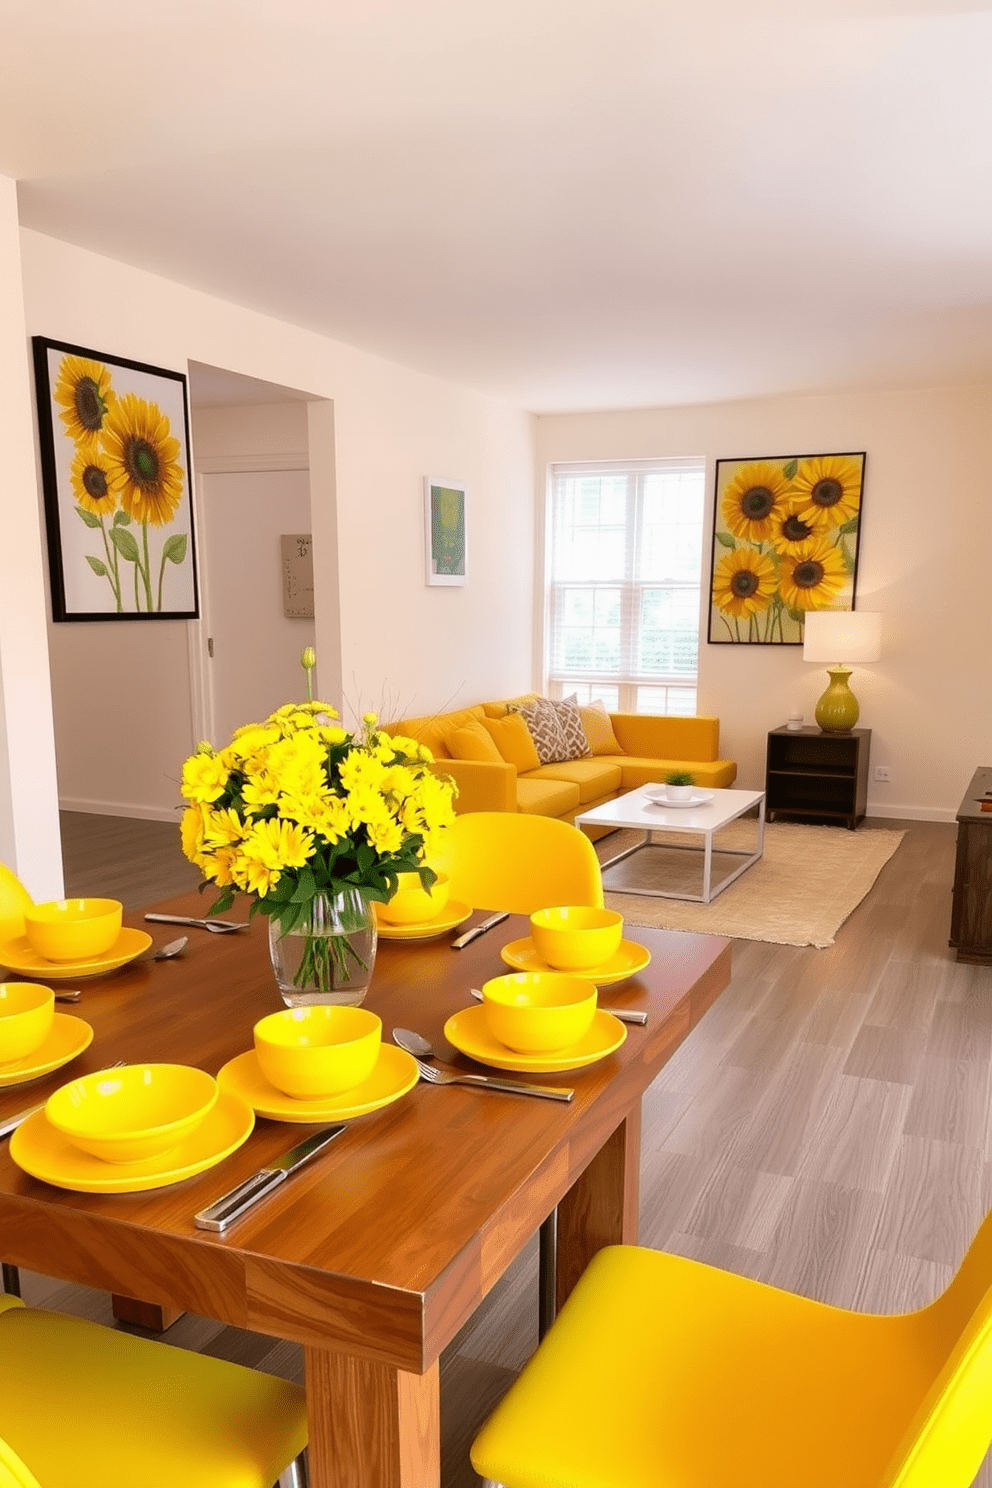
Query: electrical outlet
[{"x": 883, "y": 773}]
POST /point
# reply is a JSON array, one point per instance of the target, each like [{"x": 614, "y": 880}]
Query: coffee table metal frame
[{"x": 636, "y": 810}]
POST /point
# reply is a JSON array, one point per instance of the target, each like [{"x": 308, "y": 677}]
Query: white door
[{"x": 255, "y": 665}]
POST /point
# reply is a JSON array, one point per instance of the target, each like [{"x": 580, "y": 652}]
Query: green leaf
[
  {"x": 175, "y": 548},
  {"x": 305, "y": 888},
  {"x": 97, "y": 566},
  {"x": 850, "y": 526},
  {"x": 725, "y": 540},
  {"x": 797, "y": 615},
  {"x": 121, "y": 519},
  {"x": 88, "y": 517},
  {"x": 790, "y": 468},
  {"x": 125, "y": 544}
]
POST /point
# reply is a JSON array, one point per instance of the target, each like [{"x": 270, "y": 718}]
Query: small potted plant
[{"x": 678, "y": 785}]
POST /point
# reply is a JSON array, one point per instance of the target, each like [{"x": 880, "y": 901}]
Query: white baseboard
[
  {"x": 913, "y": 813},
  {"x": 121, "y": 808}
]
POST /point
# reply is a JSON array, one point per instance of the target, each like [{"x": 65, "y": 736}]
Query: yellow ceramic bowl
[
  {"x": 133, "y": 1113},
  {"x": 536, "y": 1012},
  {"x": 318, "y": 1051},
  {"x": 412, "y": 904},
  {"x": 574, "y": 938},
  {"x": 72, "y": 929},
  {"x": 26, "y": 1013}
]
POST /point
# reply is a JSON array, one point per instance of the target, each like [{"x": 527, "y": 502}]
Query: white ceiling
[{"x": 569, "y": 203}]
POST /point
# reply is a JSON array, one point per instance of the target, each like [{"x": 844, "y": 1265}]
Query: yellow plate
[
  {"x": 628, "y": 961},
  {"x": 395, "y": 1073},
  {"x": 18, "y": 956},
  {"x": 469, "y": 1032},
  {"x": 454, "y": 914},
  {"x": 67, "y": 1037},
  {"x": 44, "y": 1153}
]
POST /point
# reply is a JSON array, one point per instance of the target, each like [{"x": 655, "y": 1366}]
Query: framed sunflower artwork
[
  {"x": 116, "y": 477},
  {"x": 444, "y": 531},
  {"x": 785, "y": 541}
]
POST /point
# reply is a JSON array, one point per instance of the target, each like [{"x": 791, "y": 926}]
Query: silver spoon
[
  {"x": 164, "y": 953},
  {"x": 414, "y": 1044},
  {"x": 626, "y": 1015}
]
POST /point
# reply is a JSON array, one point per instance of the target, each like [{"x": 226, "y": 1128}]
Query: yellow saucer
[
  {"x": 44, "y": 1153},
  {"x": 454, "y": 914},
  {"x": 18, "y": 956},
  {"x": 67, "y": 1037},
  {"x": 469, "y": 1032},
  {"x": 395, "y": 1073},
  {"x": 628, "y": 960}
]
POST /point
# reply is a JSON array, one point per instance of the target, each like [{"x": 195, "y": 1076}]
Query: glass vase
[{"x": 328, "y": 958}]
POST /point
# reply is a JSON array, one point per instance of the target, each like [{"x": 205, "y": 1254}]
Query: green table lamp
[{"x": 854, "y": 636}]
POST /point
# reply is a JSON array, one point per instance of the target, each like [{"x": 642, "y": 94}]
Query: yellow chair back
[
  {"x": 13, "y": 1473},
  {"x": 505, "y": 860},
  {"x": 950, "y": 1432},
  {"x": 14, "y": 900}
]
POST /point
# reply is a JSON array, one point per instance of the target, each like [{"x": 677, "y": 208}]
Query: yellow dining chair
[
  {"x": 84, "y": 1406},
  {"x": 14, "y": 900},
  {"x": 502, "y": 860},
  {"x": 662, "y": 1372}
]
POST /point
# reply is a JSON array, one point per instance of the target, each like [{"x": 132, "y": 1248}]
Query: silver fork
[{"x": 435, "y": 1076}]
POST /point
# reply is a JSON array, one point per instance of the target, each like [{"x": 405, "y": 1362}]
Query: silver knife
[
  {"x": 238, "y": 1201},
  {"x": 163, "y": 919},
  {"x": 480, "y": 929}
]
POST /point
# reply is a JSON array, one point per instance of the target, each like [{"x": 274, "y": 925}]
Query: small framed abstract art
[
  {"x": 785, "y": 541},
  {"x": 115, "y": 471},
  {"x": 444, "y": 531}
]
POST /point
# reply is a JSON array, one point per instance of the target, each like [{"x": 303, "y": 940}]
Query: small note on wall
[{"x": 297, "y": 575}]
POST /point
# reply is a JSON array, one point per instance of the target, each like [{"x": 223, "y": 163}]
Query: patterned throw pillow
[
  {"x": 541, "y": 718},
  {"x": 570, "y": 722}
]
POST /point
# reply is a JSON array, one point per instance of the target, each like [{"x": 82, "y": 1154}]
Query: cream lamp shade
[{"x": 840, "y": 637}]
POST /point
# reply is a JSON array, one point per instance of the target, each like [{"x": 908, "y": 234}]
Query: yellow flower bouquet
[{"x": 315, "y": 823}]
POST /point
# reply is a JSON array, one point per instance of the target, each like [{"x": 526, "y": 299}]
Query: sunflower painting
[
  {"x": 115, "y": 465},
  {"x": 785, "y": 541}
]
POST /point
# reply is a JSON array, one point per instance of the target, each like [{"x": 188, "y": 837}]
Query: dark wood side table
[
  {"x": 971, "y": 906},
  {"x": 813, "y": 774}
]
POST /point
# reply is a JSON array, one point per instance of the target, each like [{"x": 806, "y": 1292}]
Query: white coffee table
[{"x": 699, "y": 820}]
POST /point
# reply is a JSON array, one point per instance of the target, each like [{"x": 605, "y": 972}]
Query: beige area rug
[{"x": 799, "y": 893}]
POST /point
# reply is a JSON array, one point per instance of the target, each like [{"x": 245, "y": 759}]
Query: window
[{"x": 624, "y": 552}]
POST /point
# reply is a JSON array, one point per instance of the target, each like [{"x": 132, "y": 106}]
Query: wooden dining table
[{"x": 374, "y": 1255}]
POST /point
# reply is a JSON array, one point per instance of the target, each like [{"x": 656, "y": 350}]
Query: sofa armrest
[
  {"x": 658, "y": 736},
  {"x": 483, "y": 785}
]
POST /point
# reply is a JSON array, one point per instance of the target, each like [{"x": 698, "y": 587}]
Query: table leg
[
  {"x": 371, "y": 1426},
  {"x": 601, "y": 1207},
  {"x": 155, "y": 1316}
]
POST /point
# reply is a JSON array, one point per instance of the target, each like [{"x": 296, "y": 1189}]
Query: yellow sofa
[{"x": 650, "y": 747}]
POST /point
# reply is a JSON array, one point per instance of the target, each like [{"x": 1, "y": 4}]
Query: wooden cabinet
[
  {"x": 971, "y": 907},
  {"x": 815, "y": 775}
]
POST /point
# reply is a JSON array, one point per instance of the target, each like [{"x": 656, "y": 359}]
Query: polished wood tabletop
[{"x": 374, "y": 1255}]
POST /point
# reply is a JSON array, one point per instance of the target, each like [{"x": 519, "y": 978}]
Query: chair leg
[
  {"x": 295, "y": 1475},
  {"x": 546, "y": 1264},
  {"x": 11, "y": 1280}
]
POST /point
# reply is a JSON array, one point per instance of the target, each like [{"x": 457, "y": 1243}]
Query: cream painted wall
[
  {"x": 29, "y": 827},
  {"x": 922, "y": 562},
  {"x": 123, "y": 716}
]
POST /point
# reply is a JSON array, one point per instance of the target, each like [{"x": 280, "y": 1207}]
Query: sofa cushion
[
  {"x": 638, "y": 770},
  {"x": 433, "y": 728},
  {"x": 594, "y": 777},
  {"x": 473, "y": 742},
  {"x": 541, "y": 719},
  {"x": 542, "y": 796},
  {"x": 570, "y": 722},
  {"x": 512, "y": 738},
  {"x": 598, "y": 730},
  {"x": 501, "y": 707}
]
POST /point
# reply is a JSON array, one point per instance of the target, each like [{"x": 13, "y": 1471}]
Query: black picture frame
[{"x": 115, "y": 465}]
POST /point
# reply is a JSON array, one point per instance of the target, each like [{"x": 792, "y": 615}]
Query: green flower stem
[
  {"x": 315, "y": 968},
  {"x": 146, "y": 572},
  {"x": 113, "y": 574},
  {"x": 161, "y": 576}
]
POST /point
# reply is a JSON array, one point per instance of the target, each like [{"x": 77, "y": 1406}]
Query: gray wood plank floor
[{"x": 825, "y": 1128}]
